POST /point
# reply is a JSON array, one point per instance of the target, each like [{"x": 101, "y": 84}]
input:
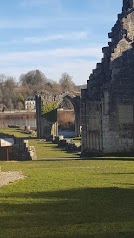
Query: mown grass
[
  {"x": 43, "y": 149},
  {"x": 68, "y": 199}
]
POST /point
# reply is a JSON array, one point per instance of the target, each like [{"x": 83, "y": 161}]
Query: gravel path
[{"x": 10, "y": 177}]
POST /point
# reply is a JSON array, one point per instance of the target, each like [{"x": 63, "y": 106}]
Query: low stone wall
[
  {"x": 68, "y": 144},
  {"x": 20, "y": 151}
]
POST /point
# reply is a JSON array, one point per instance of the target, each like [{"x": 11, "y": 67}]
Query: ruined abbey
[
  {"x": 47, "y": 124},
  {"x": 107, "y": 105},
  {"x": 105, "y": 110}
]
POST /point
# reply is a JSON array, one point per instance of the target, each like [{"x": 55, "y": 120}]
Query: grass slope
[{"x": 69, "y": 199}]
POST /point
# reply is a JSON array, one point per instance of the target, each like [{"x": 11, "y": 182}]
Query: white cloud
[
  {"x": 68, "y": 36},
  {"x": 21, "y": 23},
  {"x": 51, "y": 6},
  {"x": 79, "y": 70},
  {"x": 35, "y": 56},
  {"x": 36, "y": 40},
  {"x": 36, "y": 3},
  {"x": 44, "y": 21},
  {"x": 33, "y": 2},
  {"x": 53, "y": 62}
]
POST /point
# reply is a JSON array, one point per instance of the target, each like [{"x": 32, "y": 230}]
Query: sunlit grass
[
  {"x": 68, "y": 199},
  {"x": 13, "y": 131},
  {"x": 43, "y": 149}
]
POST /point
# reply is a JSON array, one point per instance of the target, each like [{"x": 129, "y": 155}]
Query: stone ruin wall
[
  {"x": 107, "y": 103},
  {"x": 47, "y": 129},
  {"x": 20, "y": 151}
]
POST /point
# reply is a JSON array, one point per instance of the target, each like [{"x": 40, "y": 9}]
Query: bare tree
[
  {"x": 33, "y": 82},
  {"x": 66, "y": 82},
  {"x": 8, "y": 89},
  {"x": 20, "y": 105}
]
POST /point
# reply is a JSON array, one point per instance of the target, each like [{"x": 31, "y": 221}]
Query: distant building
[{"x": 30, "y": 103}]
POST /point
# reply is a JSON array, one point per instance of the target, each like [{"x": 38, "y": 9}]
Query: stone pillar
[
  {"x": 54, "y": 130},
  {"x": 77, "y": 124},
  {"x": 106, "y": 133},
  {"x": 88, "y": 127},
  {"x": 38, "y": 115},
  {"x": 84, "y": 126}
]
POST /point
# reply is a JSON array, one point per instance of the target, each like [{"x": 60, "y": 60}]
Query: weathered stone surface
[
  {"x": 46, "y": 128},
  {"x": 19, "y": 151},
  {"x": 108, "y": 102}
]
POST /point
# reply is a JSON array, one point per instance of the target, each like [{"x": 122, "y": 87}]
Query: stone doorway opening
[
  {"x": 66, "y": 119},
  {"x": 46, "y": 127}
]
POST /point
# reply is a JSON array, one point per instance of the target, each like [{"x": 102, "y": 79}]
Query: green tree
[
  {"x": 20, "y": 97},
  {"x": 9, "y": 91}
]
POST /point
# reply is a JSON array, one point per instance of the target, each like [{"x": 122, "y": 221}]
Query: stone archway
[
  {"x": 75, "y": 100},
  {"x": 46, "y": 127}
]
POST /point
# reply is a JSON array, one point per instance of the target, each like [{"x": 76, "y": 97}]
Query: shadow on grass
[
  {"x": 118, "y": 173},
  {"x": 28, "y": 137},
  {"x": 56, "y": 149},
  {"x": 122, "y": 158},
  {"x": 76, "y": 213}
]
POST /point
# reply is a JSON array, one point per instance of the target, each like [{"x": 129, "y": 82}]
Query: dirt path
[{"x": 10, "y": 177}]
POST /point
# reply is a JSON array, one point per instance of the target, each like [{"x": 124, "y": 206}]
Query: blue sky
[{"x": 55, "y": 36}]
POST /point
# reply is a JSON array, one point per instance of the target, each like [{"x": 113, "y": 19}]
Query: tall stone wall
[{"x": 108, "y": 102}]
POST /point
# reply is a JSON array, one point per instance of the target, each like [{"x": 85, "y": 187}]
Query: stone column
[
  {"x": 77, "y": 124},
  {"x": 106, "y": 134},
  {"x": 54, "y": 130},
  {"x": 84, "y": 126},
  {"x": 38, "y": 115}
]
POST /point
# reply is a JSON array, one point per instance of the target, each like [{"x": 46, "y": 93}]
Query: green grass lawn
[
  {"x": 68, "y": 199},
  {"x": 43, "y": 149}
]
